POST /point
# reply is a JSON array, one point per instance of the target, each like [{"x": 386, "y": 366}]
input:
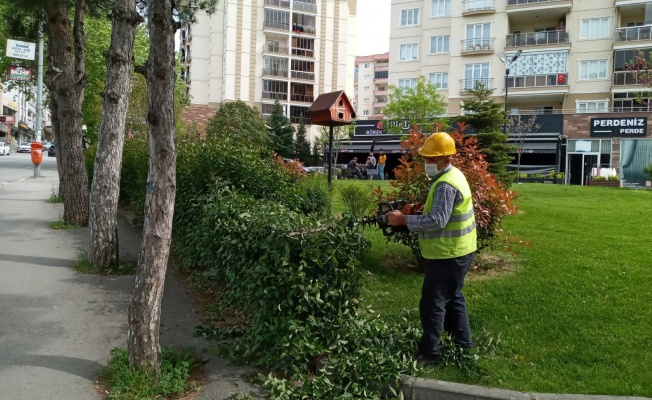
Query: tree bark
[
  {"x": 68, "y": 82},
  {"x": 105, "y": 189},
  {"x": 145, "y": 307}
]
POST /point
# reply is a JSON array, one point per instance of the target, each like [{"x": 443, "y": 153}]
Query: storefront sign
[
  {"x": 22, "y": 50},
  {"x": 378, "y": 127},
  {"x": 619, "y": 127},
  {"x": 19, "y": 73}
]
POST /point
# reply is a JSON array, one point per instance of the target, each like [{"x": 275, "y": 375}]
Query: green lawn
[{"x": 575, "y": 310}]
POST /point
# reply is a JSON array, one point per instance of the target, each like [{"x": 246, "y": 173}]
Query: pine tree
[
  {"x": 301, "y": 144},
  {"x": 282, "y": 132},
  {"x": 317, "y": 153},
  {"x": 487, "y": 117}
]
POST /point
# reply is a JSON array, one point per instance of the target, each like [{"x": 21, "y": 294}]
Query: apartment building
[
  {"x": 23, "y": 108},
  {"x": 371, "y": 80},
  {"x": 570, "y": 73},
  {"x": 258, "y": 51}
]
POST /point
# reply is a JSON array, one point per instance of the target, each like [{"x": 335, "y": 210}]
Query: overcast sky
[{"x": 373, "y": 27}]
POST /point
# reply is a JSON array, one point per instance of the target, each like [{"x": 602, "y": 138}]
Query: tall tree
[
  {"x": 66, "y": 82},
  {"x": 105, "y": 188},
  {"x": 317, "y": 152},
  {"x": 282, "y": 131},
  {"x": 420, "y": 105},
  {"x": 240, "y": 124},
  {"x": 301, "y": 144},
  {"x": 488, "y": 118},
  {"x": 145, "y": 306}
]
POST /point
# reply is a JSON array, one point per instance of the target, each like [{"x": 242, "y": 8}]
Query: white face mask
[{"x": 431, "y": 170}]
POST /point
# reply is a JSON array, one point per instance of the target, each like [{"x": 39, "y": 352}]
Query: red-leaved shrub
[{"x": 491, "y": 200}]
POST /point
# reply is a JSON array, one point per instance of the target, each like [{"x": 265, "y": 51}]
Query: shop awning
[{"x": 545, "y": 143}]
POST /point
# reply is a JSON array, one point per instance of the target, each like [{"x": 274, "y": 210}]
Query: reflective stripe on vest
[{"x": 458, "y": 238}]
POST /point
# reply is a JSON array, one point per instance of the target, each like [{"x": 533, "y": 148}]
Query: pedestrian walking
[{"x": 382, "y": 159}]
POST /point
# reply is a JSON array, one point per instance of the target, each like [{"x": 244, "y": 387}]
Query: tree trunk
[
  {"x": 518, "y": 165},
  {"x": 68, "y": 90},
  {"x": 105, "y": 189},
  {"x": 145, "y": 307}
]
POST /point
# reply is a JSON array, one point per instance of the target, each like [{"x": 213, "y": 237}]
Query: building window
[
  {"x": 410, "y": 17},
  {"x": 365, "y": 89},
  {"x": 367, "y": 77},
  {"x": 439, "y": 44},
  {"x": 631, "y": 102},
  {"x": 593, "y": 69},
  {"x": 407, "y": 83},
  {"x": 592, "y": 106},
  {"x": 440, "y": 79},
  {"x": 381, "y": 74},
  {"x": 365, "y": 101},
  {"x": 595, "y": 28},
  {"x": 367, "y": 65},
  {"x": 409, "y": 52},
  {"x": 476, "y": 75},
  {"x": 440, "y": 8},
  {"x": 365, "y": 112}
]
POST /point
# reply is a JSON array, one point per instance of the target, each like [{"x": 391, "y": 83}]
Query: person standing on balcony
[
  {"x": 448, "y": 241},
  {"x": 382, "y": 159}
]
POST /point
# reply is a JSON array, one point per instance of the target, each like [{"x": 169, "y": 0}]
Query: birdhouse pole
[{"x": 330, "y": 158}]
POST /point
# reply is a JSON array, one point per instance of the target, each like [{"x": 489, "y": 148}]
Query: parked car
[
  {"x": 24, "y": 147},
  {"x": 47, "y": 145},
  {"x": 4, "y": 149},
  {"x": 51, "y": 151}
]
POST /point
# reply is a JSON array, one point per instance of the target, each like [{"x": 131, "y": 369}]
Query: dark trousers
[{"x": 442, "y": 305}]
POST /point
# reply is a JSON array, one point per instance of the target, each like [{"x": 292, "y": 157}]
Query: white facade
[
  {"x": 260, "y": 50},
  {"x": 371, "y": 82},
  {"x": 23, "y": 107},
  {"x": 572, "y": 60}
]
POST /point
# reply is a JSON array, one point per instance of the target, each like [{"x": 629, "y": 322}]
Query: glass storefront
[{"x": 635, "y": 154}]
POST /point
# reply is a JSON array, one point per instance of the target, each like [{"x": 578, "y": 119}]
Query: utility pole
[{"x": 39, "y": 96}]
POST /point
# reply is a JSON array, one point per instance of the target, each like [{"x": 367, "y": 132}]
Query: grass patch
[
  {"x": 572, "y": 309},
  {"x": 84, "y": 266},
  {"x": 61, "y": 224},
  {"x": 175, "y": 379},
  {"x": 55, "y": 198}
]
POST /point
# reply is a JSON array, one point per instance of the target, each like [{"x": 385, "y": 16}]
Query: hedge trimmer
[{"x": 381, "y": 219}]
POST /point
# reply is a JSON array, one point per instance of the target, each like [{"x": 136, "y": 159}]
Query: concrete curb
[{"x": 427, "y": 389}]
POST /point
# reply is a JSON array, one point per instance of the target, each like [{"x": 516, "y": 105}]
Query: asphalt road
[{"x": 19, "y": 166}]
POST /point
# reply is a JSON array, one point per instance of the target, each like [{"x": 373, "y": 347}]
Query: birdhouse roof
[{"x": 327, "y": 100}]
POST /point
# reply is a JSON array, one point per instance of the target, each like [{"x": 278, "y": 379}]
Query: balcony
[
  {"x": 380, "y": 103},
  {"x": 473, "y": 7},
  {"x": 275, "y": 95},
  {"x": 277, "y": 25},
  {"x": 627, "y": 78},
  {"x": 381, "y": 66},
  {"x": 302, "y": 6},
  {"x": 276, "y": 49},
  {"x": 303, "y": 98},
  {"x": 538, "y": 81},
  {"x": 380, "y": 92},
  {"x": 533, "y": 8},
  {"x": 303, "y": 29},
  {"x": 275, "y": 72},
  {"x": 478, "y": 46},
  {"x": 303, "y": 52},
  {"x": 477, "y": 83},
  {"x": 633, "y": 34},
  {"x": 278, "y": 3},
  {"x": 309, "y": 76},
  {"x": 537, "y": 39}
]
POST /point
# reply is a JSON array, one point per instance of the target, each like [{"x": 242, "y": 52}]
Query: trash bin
[{"x": 37, "y": 153}]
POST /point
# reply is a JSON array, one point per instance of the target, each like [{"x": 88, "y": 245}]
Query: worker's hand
[{"x": 396, "y": 218}]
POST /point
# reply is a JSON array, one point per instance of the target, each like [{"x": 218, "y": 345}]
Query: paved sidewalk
[{"x": 57, "y": 326}]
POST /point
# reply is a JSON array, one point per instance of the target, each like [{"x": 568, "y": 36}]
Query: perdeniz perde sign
[{"x": 619, "y": 127}]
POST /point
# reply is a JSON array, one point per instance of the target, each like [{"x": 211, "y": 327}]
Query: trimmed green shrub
[{"x": 356, "y": 198}]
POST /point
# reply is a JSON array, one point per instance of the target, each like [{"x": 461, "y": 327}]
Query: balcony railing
[
  {"x": 478, "y": 44},
  {"x": 537, "y": 38},
  {"x": 477, "y": 83},
  {"x": 306, "y": 98},
  {"x": 277, "y": 25},
  {"x": 622, "y": 78},
  {"x": 521, "y": 2},
  {"x": 478, "y": 5},
  {"x": 310, "y": 30},
  {"x": 303, "y": 52},
  {"x": 381, "y": 65},
  {"x": 633, "y": 34},
  {"x": 380, "y": 92},
  {"x": 275, "y": 95},
  {"x": 303, "y": 75},
  {"x": 269, "y": 48},
  {"x": 275, "y": 72},
  {"x": 278, "y": 3},
  {"x": 546, "y": 80},
  {"x": 300, "y": 6},
  {"x": 297, "y": 120}
]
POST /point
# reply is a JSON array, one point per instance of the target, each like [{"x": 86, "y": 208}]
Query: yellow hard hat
[{"x": 438, "y": 144}]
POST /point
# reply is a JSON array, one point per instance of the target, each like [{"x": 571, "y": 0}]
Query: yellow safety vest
[{"x": 458, "y": 238}]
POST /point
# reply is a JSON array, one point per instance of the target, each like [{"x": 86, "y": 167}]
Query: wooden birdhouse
[{"x": 331, "y": 109}]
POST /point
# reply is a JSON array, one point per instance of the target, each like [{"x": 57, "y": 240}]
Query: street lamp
[{"x": 507, "y": 66}]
